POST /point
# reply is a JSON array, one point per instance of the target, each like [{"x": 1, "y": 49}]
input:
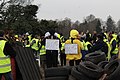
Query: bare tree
[
  {"x": 90, "y": 18},
  {"x": 21, "y": 2},
  {"x": 110, "y": 24},
  {"x": 118, "y": 26}
]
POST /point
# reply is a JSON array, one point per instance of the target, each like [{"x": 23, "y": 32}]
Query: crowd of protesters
[{"x": 107, "y": 42}]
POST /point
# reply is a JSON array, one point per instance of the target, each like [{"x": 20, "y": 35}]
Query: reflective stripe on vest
[
  {"x": 42, "y": 50},
  {"x": 58, "y": 36},
  {"x": 35, "y": 45},
  {"x": 1, "y": 58},
  {"x": 27, "y": 45},
  {"x": 5, "y": 65},
  {"x": 86, "y": 44},
  {"x": 29, "y": 38},
  {"x": 116, "y": 49}
]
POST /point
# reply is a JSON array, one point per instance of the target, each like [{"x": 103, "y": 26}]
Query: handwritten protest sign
[
  {"x": 52, "y": 44},
  {"x": 71, "y": 49}
]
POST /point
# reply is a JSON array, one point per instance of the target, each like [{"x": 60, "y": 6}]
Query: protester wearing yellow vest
[
  {"x": 42, "y": 50},
  {"x": 63, "y": 55},
  {"x": 109, "y": 48},
  {"x": 88, "y": 44},
  {"x": 42, "y": 56},
  {"x": 5, "y": 52},
  {"x": 113, "y": 44},
  {"x": 62, "y": 50},
  {"x": 35, "y": 44},
  {"x": 82, "y": 39}
]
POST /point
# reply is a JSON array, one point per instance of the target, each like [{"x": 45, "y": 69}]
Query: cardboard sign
[
  {"x": 52, "y": 44},
  {"x": 71, "y": 49}
]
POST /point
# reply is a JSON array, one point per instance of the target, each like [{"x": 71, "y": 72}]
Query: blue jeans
[{"x": 7, "y": 76}]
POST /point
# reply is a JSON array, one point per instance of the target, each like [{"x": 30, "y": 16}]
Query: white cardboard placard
[
  {"x": 71, "y": 49},
  {"x": 52, "y": 44}
]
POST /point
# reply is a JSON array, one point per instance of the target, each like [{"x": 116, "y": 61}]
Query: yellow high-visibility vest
[
  {"x": 109, "y": 49},
  {"x": 42, "y": 50},
  {"x": 5, "y": 65},
  {"x": 83, "y": 44},
  {"x": 35, "y": 45},
  {"x": 116, "y": 49},
  {"x": 114, "y": 36},
  {"x": 29, "y": 38},
  {"x": 63, "y": 46},
  {"x": 58, "y": 36},
  {"x": 86, "y": 44}
]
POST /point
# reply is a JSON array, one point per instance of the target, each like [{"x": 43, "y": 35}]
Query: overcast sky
[{"x": 78, "y": 9}]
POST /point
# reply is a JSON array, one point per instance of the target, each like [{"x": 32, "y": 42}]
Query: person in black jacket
[
  {"x": 52, "y": 55},
  {"x": 99, "y": 45}
]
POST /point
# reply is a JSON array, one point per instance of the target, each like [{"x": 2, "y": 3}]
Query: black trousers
[
  {"x": 43, "y": 60},
  {"x": 8, "y": 76},
  {"x": 71, "y": 62},
  {"x": 63, "y": 59},
  {"x": 51, "y": 58}
]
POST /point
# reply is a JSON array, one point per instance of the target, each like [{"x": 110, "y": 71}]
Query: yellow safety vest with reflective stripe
[
  {"x": 58, "y": 36},
  {"x": 116, "y": 49},
  {"x": 5, "y": 64},
  {"x": 109, "y": 49},
  {"x": 86, "y": 44},
  {"x": 114, "y": 36},
  {"x": 29, "y": 38},
  {"x": 42, "y": 50},
  {"x": 63, "y": 46},
  {"x": 35, "y": 45},
  {"x": 83, "y": 44}
]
